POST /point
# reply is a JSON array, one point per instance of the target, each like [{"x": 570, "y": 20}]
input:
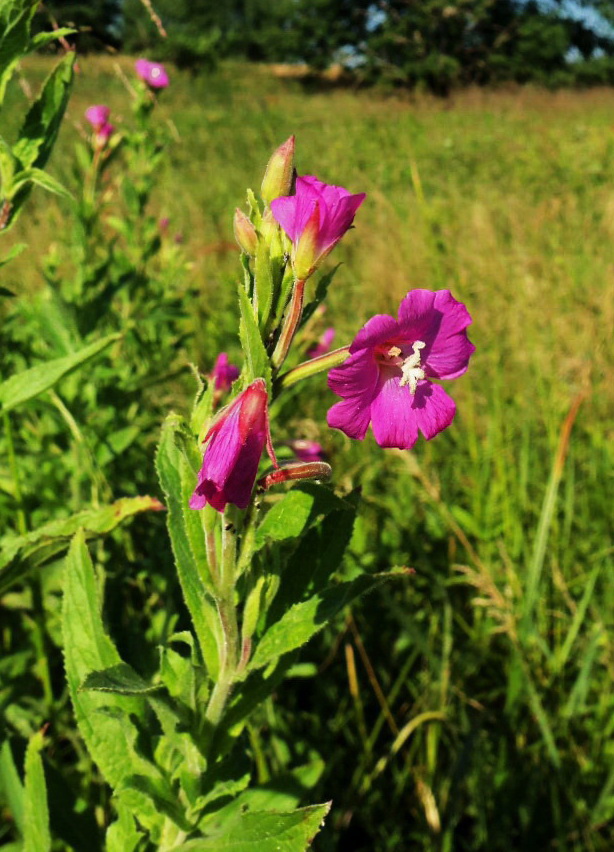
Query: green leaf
[
  {"x": 43, "y": 39},
  {"x": 304, "y": 620},
  {"x": 13, "y": 253},
  {"x": 39, "y": 178},
  {"x": 37, "y": 837},
  {"x": 21, "y": 554},
  {"x": 178, "y": 480},
  {"x": 11, "y": 786},
  {"x": 120, "y": 679},
  {"x": 42, "y": 123},
  {"x": 35, "y": 381},
  {"x": 295, "y": 512},
  {"x": 263, "y": 282},
  {"x": 256, "y": 359},
  {"x": 14, "y": 38},
  {"x": 265, "y": 832},
  {"x": 104, "y": 720},
  {"x": 122, "y": 835}
]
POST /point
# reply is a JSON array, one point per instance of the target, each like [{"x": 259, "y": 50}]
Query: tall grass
[{"x": 474, "y": 707}]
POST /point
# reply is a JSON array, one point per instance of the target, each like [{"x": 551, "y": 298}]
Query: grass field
[{"x": 472, "y": 708}]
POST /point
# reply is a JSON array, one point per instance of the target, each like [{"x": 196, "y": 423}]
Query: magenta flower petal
[
  {"x": 392, "y": 416},
  {"x": 433, "y": 409},
  {"x": 284, "y": 211},
  {"x": 356, "y": 381},
  {"x": 375, "y": 332},
  {"x": 440, "y": 321}
]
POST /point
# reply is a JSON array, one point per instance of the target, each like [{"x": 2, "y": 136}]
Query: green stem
[
  {"x": 310, "y": 368},
  {"x": 227, "y": 613},
  {"x": 22, "y": 520}
]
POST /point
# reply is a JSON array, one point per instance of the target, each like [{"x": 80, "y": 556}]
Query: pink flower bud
[
  {"x": 235, "y": 443},
  {"x": 315, "y": 219},
  {"x": 279, "y": 172},
  {"x": 245, "y": 233},
  {"x": 224, "y": 373},
  {"x": 152, "y": 73},
  {"x": 292, "y": 471},
  {"x": 98, "y": 116},
  {"x": 323, "y": 345},
  {"x": 307, "y": 451}
]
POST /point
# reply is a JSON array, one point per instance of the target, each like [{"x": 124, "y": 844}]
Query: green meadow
[{"x": 471, "y": 706}]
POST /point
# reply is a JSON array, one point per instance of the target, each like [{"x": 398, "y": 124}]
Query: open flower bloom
[
  {"x": 386, "y": 379},
  {"x": 152, "y": 73},
  {"x": 224, "y": 373},
  {"x": 315, "y": 219},
  {"x": 235, "y": 444}
]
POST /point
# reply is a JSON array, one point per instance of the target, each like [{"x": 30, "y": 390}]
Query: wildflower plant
[{"x": 173, "y": 743}]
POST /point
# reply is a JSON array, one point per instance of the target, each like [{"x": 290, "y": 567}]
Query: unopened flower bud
[
  {"x": 279, "y": 172},
  {"x": 293, "y": 471},
  {"x": 245, "y": 233}
]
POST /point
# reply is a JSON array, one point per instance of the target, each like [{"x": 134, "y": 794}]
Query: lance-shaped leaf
[
  {"x": 104, "y": 720},
  {"x": 256, "y": 359},
  {"x": 262, "y": 831},
  {"x": 35, "y": 381},
  {"x": 304, "y": 620},
  {"x": 15, "y": 19},
  {"x": 21, "y": 554},
  {"x": 178, "y": 480}
]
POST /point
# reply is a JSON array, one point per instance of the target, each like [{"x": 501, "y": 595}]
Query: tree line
[{"x": 436, "y": 44}]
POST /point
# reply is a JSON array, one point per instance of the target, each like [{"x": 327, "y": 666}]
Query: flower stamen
[{"x": 411, "y": 369}]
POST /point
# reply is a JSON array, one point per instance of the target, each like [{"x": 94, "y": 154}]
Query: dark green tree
[{"x": 98, "y": 21}]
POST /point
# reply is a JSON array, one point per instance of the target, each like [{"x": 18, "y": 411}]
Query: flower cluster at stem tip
[
  {"x": 385, "y": 379},
  {"x": 98, "y": 116},
  {"x": 154, "y": 74}
]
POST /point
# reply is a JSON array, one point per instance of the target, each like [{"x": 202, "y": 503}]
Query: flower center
[
  {"x": 411, "y": 369},
  {"x": 155, "y": 73}
]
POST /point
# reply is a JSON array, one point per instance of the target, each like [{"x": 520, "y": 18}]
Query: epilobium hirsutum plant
[{"x": 173, "y": 745}]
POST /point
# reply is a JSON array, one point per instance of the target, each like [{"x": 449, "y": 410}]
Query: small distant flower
[
  {"x": 164, "y": 223},
  {"x": 307, "y": 451},
  {"x": 152, "y": 73},
  {"x": 224, "y": 373},
  {"x": 235, "y": 444},
  {"x": 98, "y": 116},
  {"x": 315, "y": 219},
  {"x": 386, "y": 379},
  {"x": 323, "y": 345}
]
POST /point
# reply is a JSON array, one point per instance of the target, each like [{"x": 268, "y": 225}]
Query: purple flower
[
  {"x": 235, "y": 443},
  {"x": 224, "y": 373},
  {"x": 98, "y": 116},
  {"x": 307, "y": 451},
  {"x": 323, "y": 345},
  {"x": 315, "y": 219},
  {"x": 152, "y": 73},
  {"x": 385, "y": 381}
]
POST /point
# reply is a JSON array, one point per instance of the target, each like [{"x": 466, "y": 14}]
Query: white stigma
[
  {"x": 155, "y": 72},
  {"x": 411, "y": 369}
]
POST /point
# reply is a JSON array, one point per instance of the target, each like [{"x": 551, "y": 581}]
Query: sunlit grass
[{"x": 507, "y": 199}]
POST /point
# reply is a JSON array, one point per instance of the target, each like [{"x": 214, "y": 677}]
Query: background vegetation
[
  {"x": 433, "y": 44},
  {"x": 471, "y": 707}
]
